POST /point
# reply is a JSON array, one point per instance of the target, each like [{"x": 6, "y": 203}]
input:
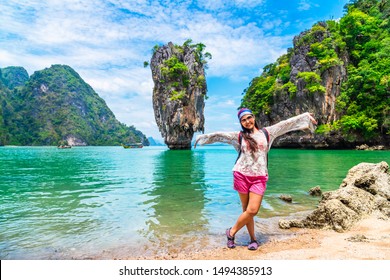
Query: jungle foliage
[
  {"x": 53, "y": 104},
  {"x": 363, "y": 35},
  {"x": 175, "y": 72}
]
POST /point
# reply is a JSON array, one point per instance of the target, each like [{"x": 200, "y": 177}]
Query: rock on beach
[
  {"x": 286, "y": 197},
  {"x": 315, "y": 191},
  {"x": 365, "y": 191}
]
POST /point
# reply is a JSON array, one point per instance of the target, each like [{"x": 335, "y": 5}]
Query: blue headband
[{"x": 243, "y": 112}]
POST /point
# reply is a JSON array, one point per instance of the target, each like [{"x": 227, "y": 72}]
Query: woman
[{"x": 250, "y": 173}]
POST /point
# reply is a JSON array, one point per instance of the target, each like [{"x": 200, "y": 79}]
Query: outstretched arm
[
  {"x": 223, "y": 137},
  {"x": 304, "y": 121}
]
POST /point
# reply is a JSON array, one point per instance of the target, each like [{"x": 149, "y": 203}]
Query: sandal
[
  {"x": 230, "y": 239},
  {"x": 253, "y": 245}
]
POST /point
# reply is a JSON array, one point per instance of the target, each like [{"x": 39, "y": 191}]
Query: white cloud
[
  {"x": 106, "y": 42},
  {"x": 303, "y": 5},
  {"x": 229, "y": 4},
  {"x": 248, "y": 3},
  {"x": 88, "y": 34}
]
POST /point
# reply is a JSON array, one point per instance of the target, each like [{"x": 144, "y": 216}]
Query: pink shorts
[{"x": 246, "y": 184}]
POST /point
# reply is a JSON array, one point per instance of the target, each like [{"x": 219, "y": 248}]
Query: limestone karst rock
[
  {"x": 320, "y": 103},
  {"x": 179, "y": 91},
  {"x": 301, "y": 82}
]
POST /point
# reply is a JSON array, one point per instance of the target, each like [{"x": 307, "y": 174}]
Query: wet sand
[{"x": 369, "y": 239}]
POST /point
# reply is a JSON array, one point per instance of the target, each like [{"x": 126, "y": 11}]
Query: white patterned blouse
[{"x": 255, "y": 164}]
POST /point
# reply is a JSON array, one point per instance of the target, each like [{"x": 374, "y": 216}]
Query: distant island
[
  {"x": 154, "y": 142},
  {"x": 56, "y": 107}
]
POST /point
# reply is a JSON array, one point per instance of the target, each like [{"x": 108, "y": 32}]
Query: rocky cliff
[
  {"x": 319, "y": 100},
  {"x": 179, "y": 91},
  {"x": 339, "y": 72}
]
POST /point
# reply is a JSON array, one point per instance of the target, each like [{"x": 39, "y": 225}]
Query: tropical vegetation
[
  {"x": 53, "y": 105},
  {"x": 175, "y": 72},
  {"x": 360, "y": 40}
]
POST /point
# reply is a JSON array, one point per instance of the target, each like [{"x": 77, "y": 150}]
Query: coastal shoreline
[{"x": 369, "y": 239}]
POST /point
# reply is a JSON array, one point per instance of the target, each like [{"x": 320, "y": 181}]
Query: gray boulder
[
  {"x": 373, "y": 178},
  {"x": 365, "y": 190},
  {"x": 286, "y": 197},
  {"x": 315, "y": 191}
]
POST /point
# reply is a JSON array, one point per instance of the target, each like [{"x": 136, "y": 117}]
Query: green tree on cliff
[
  {"x": 365, "y": 98},
  {"x": 364, "y": 101}
]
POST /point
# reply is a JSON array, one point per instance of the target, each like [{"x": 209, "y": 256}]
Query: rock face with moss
[
  {"x": 337, "y": 70},
  {"x": 318, "y": 84},
  {"x": 318, "y": 81},
  {"x": 304, "y": 83},
  {"x": 179, "y": 92}
]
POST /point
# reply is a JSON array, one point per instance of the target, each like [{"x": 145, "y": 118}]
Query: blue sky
[{"x": 107, "y": 41}]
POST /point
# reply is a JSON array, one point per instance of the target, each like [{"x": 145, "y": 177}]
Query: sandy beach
[{"x": 369, "y": 239}]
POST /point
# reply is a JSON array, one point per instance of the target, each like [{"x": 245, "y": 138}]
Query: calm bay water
[{"x": 110, "y": 202}]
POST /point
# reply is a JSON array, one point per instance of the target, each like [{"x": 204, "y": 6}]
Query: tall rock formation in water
[{"x": 179, "y": 91}]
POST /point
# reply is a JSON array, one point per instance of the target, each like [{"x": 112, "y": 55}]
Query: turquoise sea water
[{"x": 110, "y": 202}]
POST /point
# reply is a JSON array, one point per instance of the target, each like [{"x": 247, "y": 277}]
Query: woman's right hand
[{"x": 196, "y": 142}]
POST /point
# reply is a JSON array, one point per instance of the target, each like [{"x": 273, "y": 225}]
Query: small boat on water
[
  {"x": 64, "y": 147},
  {"x": 133, "y": 146}
]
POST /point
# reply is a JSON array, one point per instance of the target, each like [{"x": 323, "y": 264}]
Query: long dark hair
[{"x": 246, "y": 134}]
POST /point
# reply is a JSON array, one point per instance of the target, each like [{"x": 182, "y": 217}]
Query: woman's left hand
[{"x": 311, "y": 115}]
